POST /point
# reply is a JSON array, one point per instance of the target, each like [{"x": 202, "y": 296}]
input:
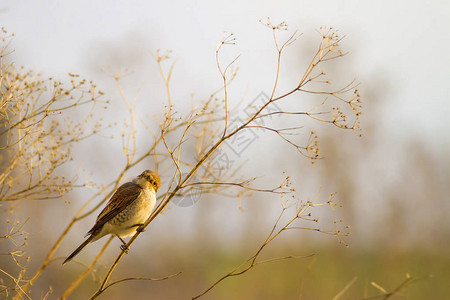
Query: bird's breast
[{"x": 124, "y": 223}]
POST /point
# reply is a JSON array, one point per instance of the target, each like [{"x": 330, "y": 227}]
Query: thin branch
[
  {"x": 83, "y": 275},
  {"x": 386, "y": 295},
  {"x": 345, "y": 289},
  {"x": 140, "y": 278}
]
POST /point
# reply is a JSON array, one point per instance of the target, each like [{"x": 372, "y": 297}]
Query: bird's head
[{"x": 152, "y": 177}]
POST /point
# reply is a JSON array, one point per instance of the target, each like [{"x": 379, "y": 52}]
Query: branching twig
[
  {"x": 386, "y": 295},
  {"x": 327, "y": 50},
  {"x": 206, "y": 129}
]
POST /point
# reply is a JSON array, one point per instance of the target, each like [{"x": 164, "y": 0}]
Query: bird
[{"x": 126, "y": 211}]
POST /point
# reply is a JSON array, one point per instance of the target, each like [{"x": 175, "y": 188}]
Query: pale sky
[
  {"x": 406, "y": 43},
  {"x": 399, "y": 49}
]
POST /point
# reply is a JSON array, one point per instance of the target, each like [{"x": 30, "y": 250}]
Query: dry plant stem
[
  {"x": 79, "y": 216},
  {"x": 300, "y": 214},
  {"x": 305, "y": 275},
  {"x": 16, "y": 282},
  {"x": 34, "y": 143},
  {"x": 345, "y": 289},
  {"x": 230, "y": 39},
  {"x": 156, "y": 212},
  {"x": 141, "y": 278},
  {"x": 252, "y": 261},
  {"x": 386, "y": 295},
  {"x": 48, "y": 258},
  {"x": 167, "y": 198},
  {"x": 83, "y": 275},
  {"x": 132, "y": 135},
  {"x": 176, "y": 160},
  {"x": 326, "y": 47},
  {"x": 244, "y": 185},
  {"x": 45, "y": 110},
  {"x": 159, "y": 208},
  {"x": 294, "y": 37},
  {"x": 158, "y": 58}
]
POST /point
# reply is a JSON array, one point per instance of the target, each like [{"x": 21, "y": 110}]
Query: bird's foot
[
  {"x": 124, "y": 248},
  {"x": 141, "y": 228}
]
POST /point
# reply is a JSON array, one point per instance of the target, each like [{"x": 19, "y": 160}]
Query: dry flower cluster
[{"x": 36, "y": 138}]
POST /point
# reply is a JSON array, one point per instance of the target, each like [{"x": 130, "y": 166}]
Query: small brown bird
[{"x": 126, "y": 211}]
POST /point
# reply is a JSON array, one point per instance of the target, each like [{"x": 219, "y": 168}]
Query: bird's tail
[{"x": 85, "y": 243}]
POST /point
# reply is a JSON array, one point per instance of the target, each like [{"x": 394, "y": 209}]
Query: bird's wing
[{"x": 124, "y": 196}]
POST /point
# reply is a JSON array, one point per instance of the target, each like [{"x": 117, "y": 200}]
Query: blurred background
[{"x": 392, "y": 183}]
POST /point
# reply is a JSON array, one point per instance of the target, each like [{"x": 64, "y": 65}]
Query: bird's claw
[
  {"x": 124, "y": 248},
  {"x": 140, "y": 228}
]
